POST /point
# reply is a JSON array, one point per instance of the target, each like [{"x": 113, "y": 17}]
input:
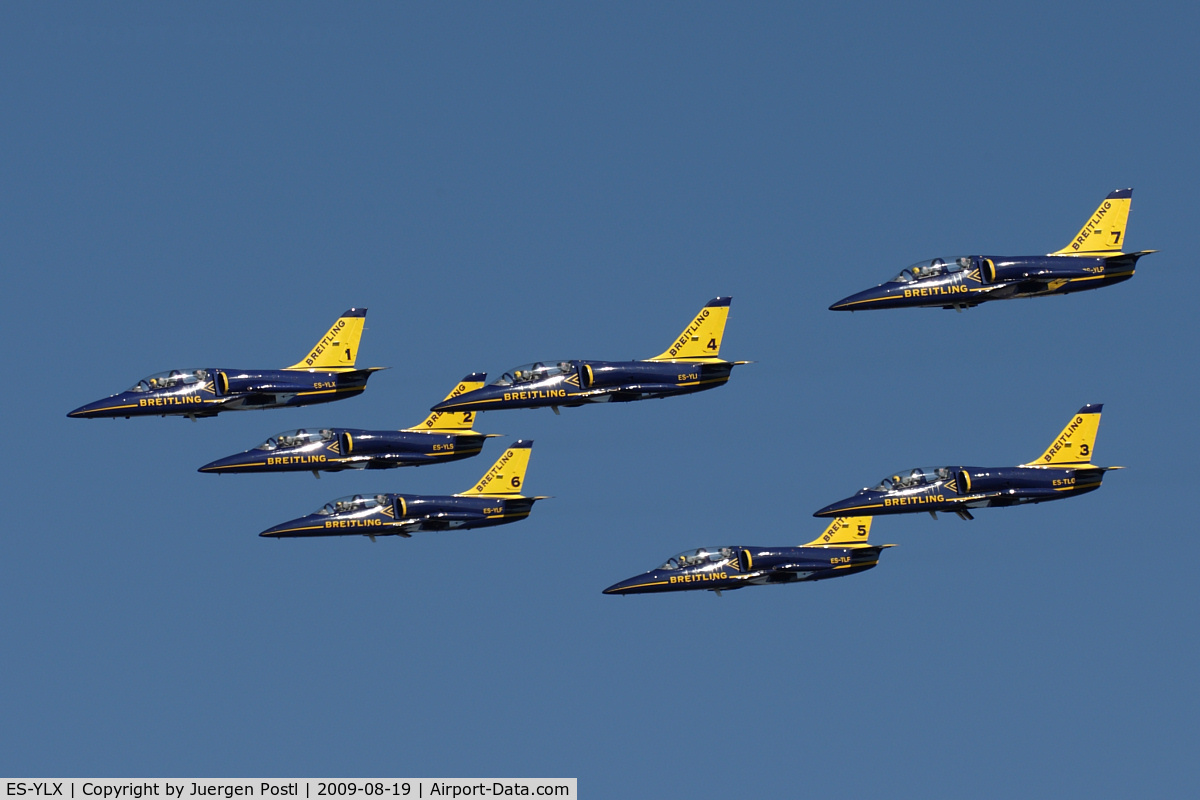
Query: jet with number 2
[
  {"x": 1092, "y": 259},
  {"x": 440, "y": 438},
  {"x": 841, "y": 550},
  {"x": 326, "y": 374},
  {"x": 691, "y": 364},
  {"x": 495, "y": 499},
  {"x": 1064, "y": 470}
]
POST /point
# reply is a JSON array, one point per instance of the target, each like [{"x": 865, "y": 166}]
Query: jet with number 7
[
  {"x": 1091, "y": 260},
  {"x": 1064, "y": 470},
  {"x": 691, "y": 364}
]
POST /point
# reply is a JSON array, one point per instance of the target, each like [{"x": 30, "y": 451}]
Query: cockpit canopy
[
  {"x": 537, "y": 371},
  {"x": 296, "y": 438},
  {"x": 932, "y": 267},
  {"x": 909, "y": 478},
  {"x": 353, "y": 502},
  {"x": 699, "y": 557},
  {"x": 170, "y": 379}
]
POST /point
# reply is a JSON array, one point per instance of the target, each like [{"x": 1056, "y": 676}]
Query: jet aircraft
[
  {"x": 690, "y": 364},
  {"x": 1091, "y": 260},
  {"x": 841, "y": 550},
  {"x": 440, "y": 438},
  {"x": 1064, "y": 470},
  {"x": 495, "y": 499},
  {"x": 327, "y": 373}
]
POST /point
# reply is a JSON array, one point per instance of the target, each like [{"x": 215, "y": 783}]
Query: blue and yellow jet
[
  {"x": 495, "y": 499},
  {"x": 691, "y": 364},
  {"x": 1092, "y": 259},
  {"x": 1064, "y": 470},
  {"x": 842, "y": 549},
  {"x": 327, "y": 373},
  {"x": 440, "y": 438}
]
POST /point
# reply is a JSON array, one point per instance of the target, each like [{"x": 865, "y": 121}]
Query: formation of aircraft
[
  {"x": 691, "y": 364},
  {"x": 1091, "y": 260},
  {"x": 1064, "y": 470},
  {"x": 443, "y": 436},
  {"x": 843, "y": 549},
  {"x": 326, "y": 374},
  {"x": 495, "y": 499}
]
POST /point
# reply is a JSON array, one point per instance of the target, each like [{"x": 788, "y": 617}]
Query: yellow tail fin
[
  {"x": 843, "y": 531},
  {"x": 337, "y": 349},
  {"x": 454, "y": 421},
  {"x": 1104, "y": 232},
  {"x": 505, "y": 477},
  {"x": 1073, "y": 447},
  {"x": 701, "y": 340}
]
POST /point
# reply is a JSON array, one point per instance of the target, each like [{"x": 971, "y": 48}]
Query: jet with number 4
[
  {"x": 326, "y": 374},
  {"x": 1092, "y": 259},
  {"x": 841, "y": 550},
  {"x": 442, "y": 437},
  {"x": 691, "y": 364},
  {"x": 1064, "y": 470},
  {"x": 495, "y": 499}
]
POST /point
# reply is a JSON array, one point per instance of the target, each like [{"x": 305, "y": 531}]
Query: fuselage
[
  {"x": 722, "y": 568},
  {"x": 969, "y": 280},
  {"x": 963, "y": 488},
  {"x": 403, "y": 515},
  {"x": 574, "y": 383},
  {"x": 207, "y": 392},
  {"x": 336, "y": 449}
]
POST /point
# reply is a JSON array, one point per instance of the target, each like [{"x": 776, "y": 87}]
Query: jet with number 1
[
  {"x": 1064, "y": 470},
  {"x": 841, "y": 550},
  {"x": 326, "y": 374},
  {"x": 1092, "y": 259},
  {"x": 691, "y": 364}
]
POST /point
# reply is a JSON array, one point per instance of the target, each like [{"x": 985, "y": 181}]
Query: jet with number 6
[
  {"x": 442, "y": 437},
  {"x": 691, "y": 364},
  {"x": 841, "y": 550},
  {"x": 1092, "y": 259},
  {"x": 1064, "y": 470},
  {"x": 495, "y": 499},
  {"x": 326, "y": 374}
]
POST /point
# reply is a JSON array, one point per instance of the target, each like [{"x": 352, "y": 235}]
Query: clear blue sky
[{"x": 210, "y": 186}]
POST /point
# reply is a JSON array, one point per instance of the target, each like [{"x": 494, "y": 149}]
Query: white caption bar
[{"x": 316, "y": 788}]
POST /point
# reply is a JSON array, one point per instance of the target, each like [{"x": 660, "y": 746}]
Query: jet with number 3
[
  {"x": 841, "y": 550},
  {"x": 1064, "y": 470},
  {"x": 326, "y": 374},
  {"x": 691, "y": 364},
  {"x": 495, "y": 499},
  {"x": 1092, "y": 259},
  {"x": 442, "y": 437}
]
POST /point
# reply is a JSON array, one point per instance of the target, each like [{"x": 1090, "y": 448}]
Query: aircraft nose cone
[
  {"x": 835, "y": 509},
  {"x": 87, "y": 410},
  {"x": 221, "y": 464},
  {"x": 464, "y": 402},
  {"x": 858, "y": 300},
  {"x": 275, "y": 531},
  {"x": 619, "y": 587}
]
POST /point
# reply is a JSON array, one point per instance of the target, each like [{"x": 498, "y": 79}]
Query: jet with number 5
[
  {"x": 841, "y": 550},
  {"x": 691, "y": 364},
  {"x": 1092, "y": 259},
  {"x": 495, "y": 499},
  {"x": 1064, "y": 470},
  {"x": 442, "y": 437},
  {"x": 326, "y": 374}
]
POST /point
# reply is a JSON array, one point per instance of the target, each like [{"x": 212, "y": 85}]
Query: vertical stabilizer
[
  {"x": 1073, "y": 447},
  {"x": 337, "y": 350},
  {"x": 843, "y": 531},
  {"x": 1104, "y": 232},
  {"x": 701, "y": 340},
  {"x": 506, "y": 475},
  {"x": 454, "y": 421}
]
